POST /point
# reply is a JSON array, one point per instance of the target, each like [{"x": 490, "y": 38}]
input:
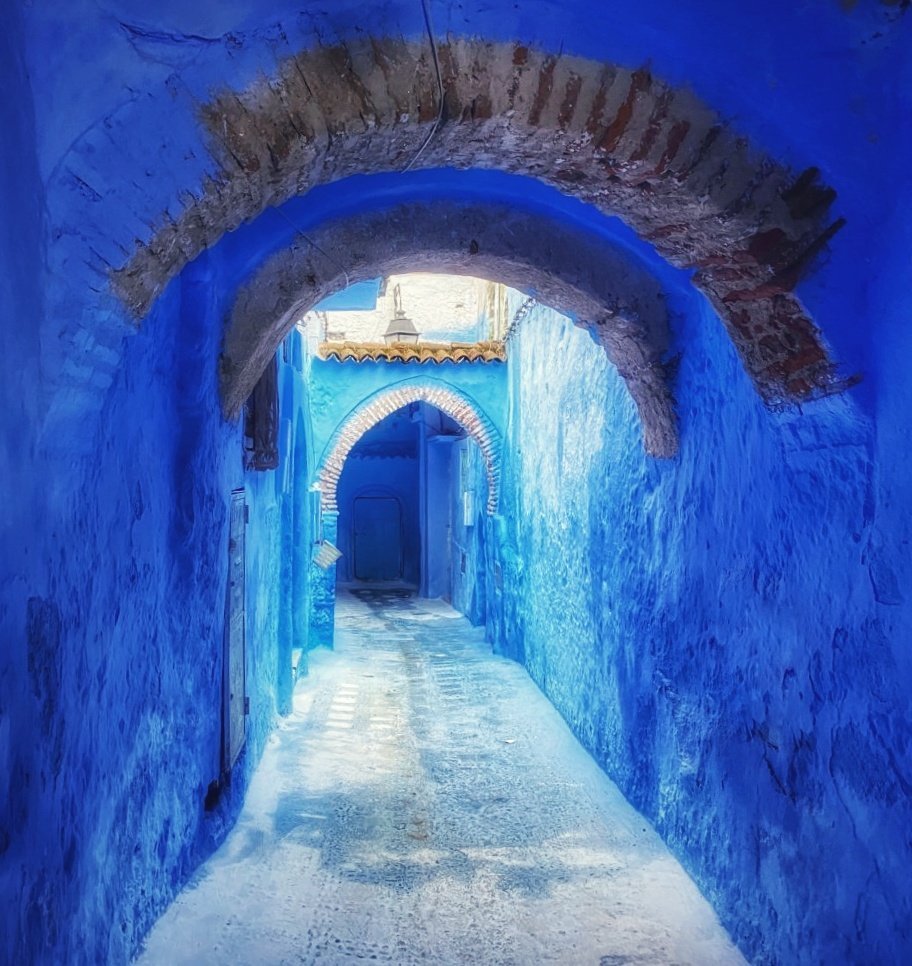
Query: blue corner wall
[
  {"x": 114, "y": 604},
  {"x": 720, "y": 632}
]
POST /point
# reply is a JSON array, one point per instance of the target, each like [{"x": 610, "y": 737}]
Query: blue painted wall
[
  {"x": 439, "y": 435},
  {"x": 747, "y": 608},
  {"x": 339, "y": 389},
  {"x": 114, "y": 598},
  {"x": 469, "y": 557},
  {"x": 717, "y": 631}
]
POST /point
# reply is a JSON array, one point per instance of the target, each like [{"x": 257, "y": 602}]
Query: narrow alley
[{"x": 426, "y": 803}]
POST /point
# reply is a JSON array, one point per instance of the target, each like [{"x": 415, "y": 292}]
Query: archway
[
  {"x": 622, "y": 140},
  {"x": 449, "y": 401},
  {"x": 576, "y": 270}
]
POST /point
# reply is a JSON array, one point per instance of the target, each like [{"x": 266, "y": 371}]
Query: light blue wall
[
  {"x": 360, "y": 297},
  {"x": 339, "y": 389}
]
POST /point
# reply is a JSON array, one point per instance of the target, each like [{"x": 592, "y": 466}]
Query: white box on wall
[{"x": 468, "y": 508}]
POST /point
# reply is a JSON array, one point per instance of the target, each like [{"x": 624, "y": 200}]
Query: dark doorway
[{"x": 377, "y": 538}]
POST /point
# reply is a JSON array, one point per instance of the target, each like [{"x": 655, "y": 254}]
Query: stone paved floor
[{"x": 426, "y": 804}]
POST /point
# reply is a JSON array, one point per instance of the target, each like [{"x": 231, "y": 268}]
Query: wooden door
[
  {"x": 377, "y": 538},
  {"x": 235, "y": 676}
]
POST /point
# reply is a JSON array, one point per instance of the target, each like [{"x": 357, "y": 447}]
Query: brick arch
[
  {"x": 621, "y": 140},
  {"x": 448, "y": 400},
  {"x": 574, "y": 270}
]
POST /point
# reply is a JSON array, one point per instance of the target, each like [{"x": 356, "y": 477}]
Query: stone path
[{"x": 426, "y": 804}]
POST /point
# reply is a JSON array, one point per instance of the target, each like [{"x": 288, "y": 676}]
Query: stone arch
[
  {"x": 375, "y": 408},
  {"x": 574, "y": 270},
  {"x": 621, "y": 140}
]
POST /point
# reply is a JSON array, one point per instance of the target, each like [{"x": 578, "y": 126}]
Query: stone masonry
[{"x": 619, "y": 139}]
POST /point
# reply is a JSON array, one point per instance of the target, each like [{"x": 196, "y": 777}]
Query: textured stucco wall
[
  {"x": 468, "y": 564},
  {"x": 716, "y": 632},
  {"x": 111, "y": 684}
]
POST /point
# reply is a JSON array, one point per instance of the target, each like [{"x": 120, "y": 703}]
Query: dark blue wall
[
  {"x": 384, "y": 463},
  {"x": 23, "y": 499}
]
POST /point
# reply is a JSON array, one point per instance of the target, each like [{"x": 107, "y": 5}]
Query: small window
[{"x": 261, "y": 422}]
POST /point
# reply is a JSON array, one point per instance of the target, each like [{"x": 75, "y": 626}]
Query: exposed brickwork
[
  {"x": 447, "y": 400},
  {"x": 618, "y": 139},
  {"x": 574, "y": 270}
]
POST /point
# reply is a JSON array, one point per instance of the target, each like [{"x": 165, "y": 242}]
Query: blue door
[{"x": 378, "y": 538}]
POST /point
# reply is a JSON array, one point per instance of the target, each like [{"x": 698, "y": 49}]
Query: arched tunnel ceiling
[
  {"x": 620, "y": 140},
  {"x": 573, "y": 270}
]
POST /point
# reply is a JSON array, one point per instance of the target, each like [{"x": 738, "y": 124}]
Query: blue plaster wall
[
  {"x": 338, "y": 389},
  {"x": 360, "y": 297},
  {"x": 438, "y": 435},
  {"x": 113, "y": 607},
  {"x": 469, "y": 562},
  {"x": 22, "y": 505},
  {"x": 716, "y": 631}
]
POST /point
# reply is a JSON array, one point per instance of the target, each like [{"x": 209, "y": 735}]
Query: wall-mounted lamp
[{"x": 400, "y": 328}]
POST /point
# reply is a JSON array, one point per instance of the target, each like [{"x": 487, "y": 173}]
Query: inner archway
[
  {"x": 452, "y": 403},
  {"x": 595, "y": 280}
]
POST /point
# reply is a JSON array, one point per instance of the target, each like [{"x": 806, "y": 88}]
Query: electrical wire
[
  {"x": 429, "y": 27},
  {"x": 440, "y": 104},
  {"x": 313, "y": 244}
]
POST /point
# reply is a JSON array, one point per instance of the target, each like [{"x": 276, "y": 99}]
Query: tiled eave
[{"x": 423, "y": 352}]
